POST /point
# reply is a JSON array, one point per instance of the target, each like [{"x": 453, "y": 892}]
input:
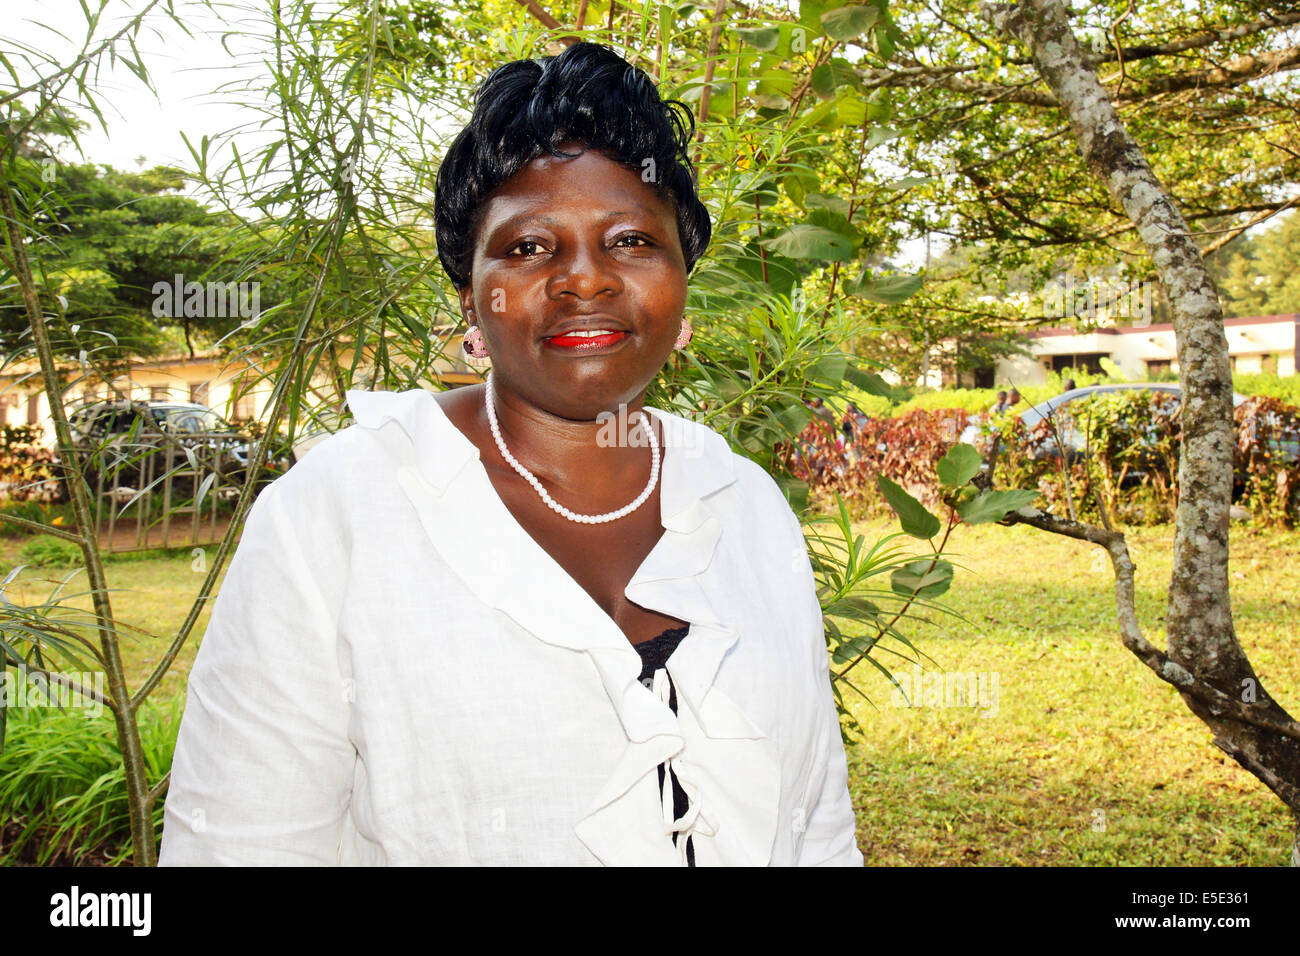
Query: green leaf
[
  {"x": 829, "y": 369},
  {"x": 799, "y": 184},
  {"x": 204, "y": 489},
  {"x": 891, "y": 290},
  {"x": 855, "y": 608},
  {"x": 796, "y": 493},
  {"x": 960, "y": 465},
  {"x": 849, "y": 23},
  {"x": 828, "y": 77},
  {"x": 869, "y": 382},
  {"x": 851, "y": 110},
  {"x": 994, "y": 505},
  {"x": 762, "y": 38},
  {"x": 811, "y": 242},
  {"x": 915, "y": 520},
  {"x": 919, "y": 578},
  {"x": 795, "y": 417}
]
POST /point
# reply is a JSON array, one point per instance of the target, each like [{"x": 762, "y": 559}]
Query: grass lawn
[
  {"x": 151, "y": 591},
  {"x": 1086, "y": 759}
]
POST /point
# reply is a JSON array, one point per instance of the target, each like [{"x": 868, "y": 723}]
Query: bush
[
  {"x": 35, "y": 511},
  {"x": 1130, "y": 470},
  {"x": 1285, "y": 387},
  {"x": 1267, "y": 459},
  {"x": 27, "y": 468},
  {"x": 905, "y": 449},
  {"x": 973, "y": 401},
  {"x": 873, "y": 406},
  {"x": 62, "y": 787},
  {"x": 47, "y": 551}
]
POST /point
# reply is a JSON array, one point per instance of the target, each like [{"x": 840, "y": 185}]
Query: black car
[{"x": 128, "y": 444}]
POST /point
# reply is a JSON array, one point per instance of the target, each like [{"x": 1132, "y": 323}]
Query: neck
[{"x": 603, "y": 456}]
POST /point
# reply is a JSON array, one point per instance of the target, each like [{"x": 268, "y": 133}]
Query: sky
[{"x": 144, "y": 127}]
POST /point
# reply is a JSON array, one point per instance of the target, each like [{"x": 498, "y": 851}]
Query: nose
[{"x": 586, "y": 270}]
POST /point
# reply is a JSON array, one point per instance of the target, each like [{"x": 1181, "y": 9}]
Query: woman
[{"x": 531, "y": 621}]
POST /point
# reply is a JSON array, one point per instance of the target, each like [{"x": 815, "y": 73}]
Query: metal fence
[{"x": 164, "y": 491}]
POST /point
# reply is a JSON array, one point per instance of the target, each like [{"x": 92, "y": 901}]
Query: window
[
  {"x": 1268, "y": 364},
  {"x": 1161, "y": 367},
  {"x": 199, "y": 393},
  {"x": 244, "y": 406},
  {"x": 189, "y": 420},
  {"x": 1086, "y": 362},
  {"x": 33, "y": 409},
  {"x": 159, "y": 393}
]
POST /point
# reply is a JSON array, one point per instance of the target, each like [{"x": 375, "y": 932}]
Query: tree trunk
[{"x": 1205, "y": 660}]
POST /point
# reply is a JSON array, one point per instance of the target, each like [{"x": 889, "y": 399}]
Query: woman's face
[{"x": 581, "y": 240}]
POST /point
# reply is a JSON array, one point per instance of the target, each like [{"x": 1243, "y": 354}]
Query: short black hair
[{"x": 589, "y": 94}]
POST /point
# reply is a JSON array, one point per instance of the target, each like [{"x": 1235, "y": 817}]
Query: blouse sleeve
[
  {"x": 829, "y": 837},
  {"x": 263, "y": 767}
]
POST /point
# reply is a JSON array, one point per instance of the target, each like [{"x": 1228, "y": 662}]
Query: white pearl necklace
[{"x": 551, "y": 502}]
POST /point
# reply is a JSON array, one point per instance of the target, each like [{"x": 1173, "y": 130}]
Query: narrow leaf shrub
[{"x": 62, "y": 787}]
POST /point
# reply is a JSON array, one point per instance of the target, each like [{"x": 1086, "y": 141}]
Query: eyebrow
[{"x": 515, "y": 220}]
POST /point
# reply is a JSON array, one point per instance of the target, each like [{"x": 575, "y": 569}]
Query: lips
[
  {"x": 587, "y": 333},
  {"x": 587, "y": 341}
]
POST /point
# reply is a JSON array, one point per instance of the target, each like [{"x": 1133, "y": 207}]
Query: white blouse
[{"x": 397, "y": 673}]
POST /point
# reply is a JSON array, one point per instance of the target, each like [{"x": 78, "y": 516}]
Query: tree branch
[{"x": 1156, "y": 660}]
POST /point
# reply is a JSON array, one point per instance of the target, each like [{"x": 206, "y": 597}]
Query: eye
[
  {"x": 638, "y": 237},
  {"x": 524, "y": 242}
]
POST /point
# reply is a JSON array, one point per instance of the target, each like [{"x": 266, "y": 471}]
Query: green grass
[
  {"x": 151, "y": 591},
  {"x": 1081, "y": 726},
  {"x": 1089, "y": 759}
]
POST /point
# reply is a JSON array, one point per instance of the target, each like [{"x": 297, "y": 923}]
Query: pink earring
[
  {"x": 684, "y": 335},
  {"x": 473, "y": 343}
]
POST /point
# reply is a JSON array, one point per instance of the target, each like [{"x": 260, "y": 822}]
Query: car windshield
[
  {"x": 190, "y": 420},
  {"x": 1033, "y": 416}
]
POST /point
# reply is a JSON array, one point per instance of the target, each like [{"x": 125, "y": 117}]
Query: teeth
[{"x": 589, "y": 333}]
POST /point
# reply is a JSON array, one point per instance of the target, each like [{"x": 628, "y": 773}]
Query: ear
[{"x": 466, "y": 295}]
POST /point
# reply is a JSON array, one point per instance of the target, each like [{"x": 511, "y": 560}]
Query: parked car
[
  {"x": 1057, "y": 407},
  {"x": 124, "y": 435}
]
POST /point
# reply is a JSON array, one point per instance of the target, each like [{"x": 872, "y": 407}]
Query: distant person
[
  {"x": 821, "y": 411},
  {"x": 848, "y": 425},
  {"x": 858, "y": 419},
  {"x": 1013, "y": 399},
  {"x": 1068, "y": 385},
  {"x": 1000, "y": 406}
]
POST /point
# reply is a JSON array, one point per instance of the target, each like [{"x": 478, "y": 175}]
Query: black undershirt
[{"x": 654, "y": 654}]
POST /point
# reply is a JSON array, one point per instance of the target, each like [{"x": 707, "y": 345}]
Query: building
[{"x": 1260, "y": 343}]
